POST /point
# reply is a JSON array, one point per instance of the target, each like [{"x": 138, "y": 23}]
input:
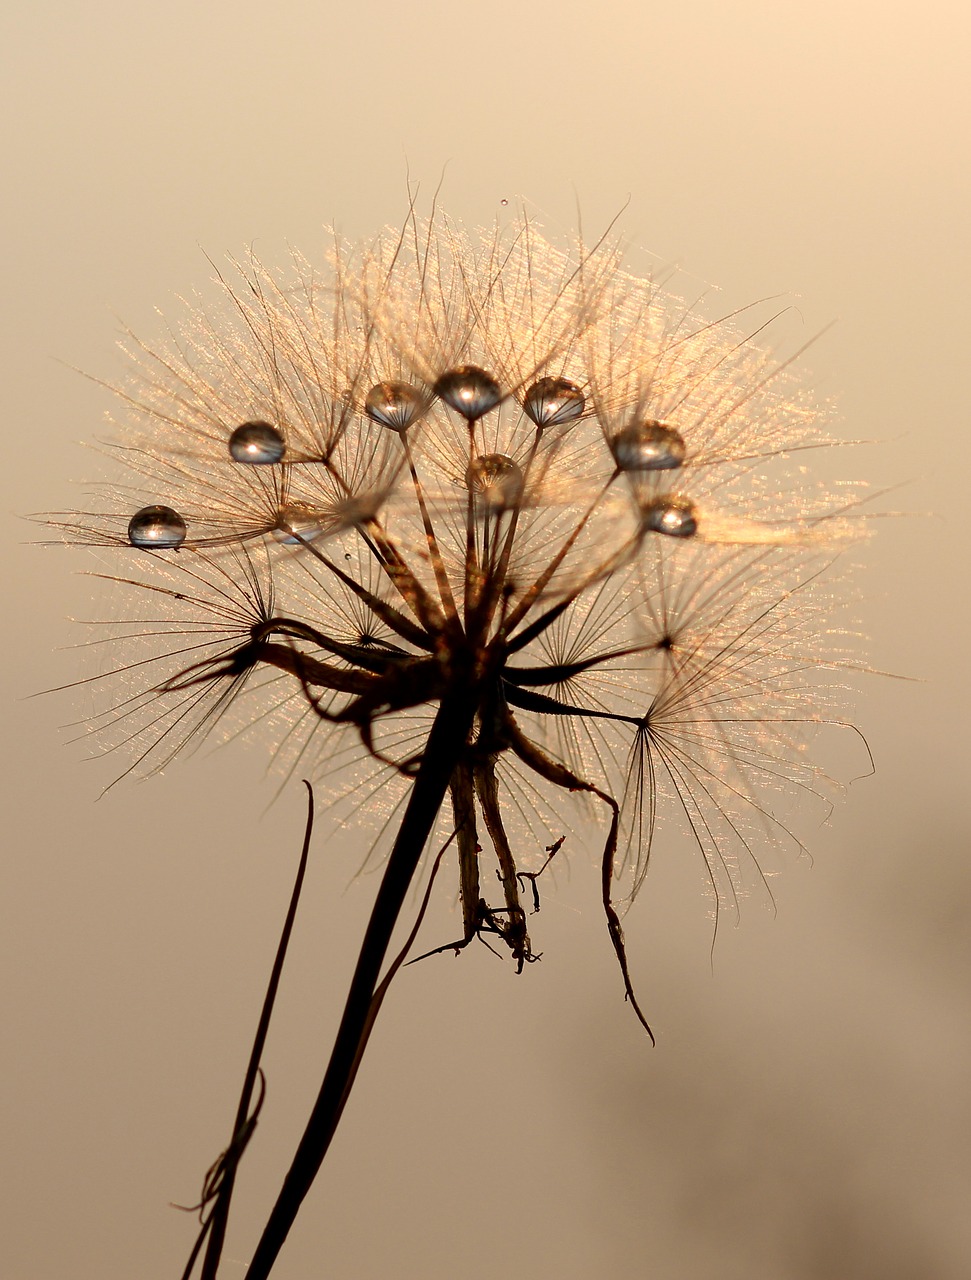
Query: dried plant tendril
[
  {"x": 256, "y": 443},
  {"x": 156, "y": 527},
  {"x": 648, "y": 446}
]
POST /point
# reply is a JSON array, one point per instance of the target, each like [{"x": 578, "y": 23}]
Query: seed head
[{"x": 489, "y": 468}]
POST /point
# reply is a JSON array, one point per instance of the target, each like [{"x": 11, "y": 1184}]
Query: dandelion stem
[{"x": 448, "y": 735}]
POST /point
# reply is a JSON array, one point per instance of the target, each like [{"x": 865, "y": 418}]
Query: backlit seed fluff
[{"x": 525, "y": 493}]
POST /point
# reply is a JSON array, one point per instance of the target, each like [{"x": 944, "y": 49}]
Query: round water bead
[
  {"x": 297, "y": 525},
  {"x": 648, "y": 446},
  {"x": 496, "y": 481},
  {"x": 672, "y": 515},
  {"x": 394, "y": 404},
  {"x": 156, "y": 527},
  {"x": 469, "y": 390},
  {"x": 257, "y": 443},
  {"x": 550, "y": 402}
]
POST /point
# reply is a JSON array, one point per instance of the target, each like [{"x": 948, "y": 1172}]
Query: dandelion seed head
[{"x": 451, "y": 462}]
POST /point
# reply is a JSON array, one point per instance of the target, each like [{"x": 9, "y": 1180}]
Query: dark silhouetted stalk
[{"x": 448, "y": 735}]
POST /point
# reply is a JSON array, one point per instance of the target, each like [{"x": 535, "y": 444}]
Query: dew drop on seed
[
  {"x": 675, "y": 516},
  {"x": 257, "y": 443},
  {"x": 156, "y": 527},
  {"x": 550, "y": 402},
  {"x": 297, "y": 525},
  {"x": 469, "y": 390},
  {"x": 394, "y": 404},
  {"x": 648, "y": 446},
  {"x": 496, "y": 481}
]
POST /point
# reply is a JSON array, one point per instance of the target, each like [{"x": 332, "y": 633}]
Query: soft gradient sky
[{"x": 806, "y": 1113}]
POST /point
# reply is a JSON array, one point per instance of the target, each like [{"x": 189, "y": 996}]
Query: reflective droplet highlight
[
  {"x": 648, "y": 446},
  {"x": 550, "y": 402},
  {"x": 296, "y": 525},
  {"x": 256, "y": 443},
  {"x": 495, "y": 480},
  {"x": 156, "y": 527},
  {"x": 672, "y": 515},
  {"x": 394, "y": 404},
  {"x": 469, "y": 390}
]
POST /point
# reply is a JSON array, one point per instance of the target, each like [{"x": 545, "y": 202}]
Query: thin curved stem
[{"x": 220, "y": 1214}]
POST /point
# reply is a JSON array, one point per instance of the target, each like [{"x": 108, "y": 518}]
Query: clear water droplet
[
  {"x": 256, "y": 443},
  {"x": 551, "y": 402},
  {"x": 297, "y": 525},
  {"x": 504, "y": 203},
  {"x": 394, "y": 404},
  {"x": 496, "y": 481},
  {"x": 156, "y": 527},
  {"x": 469, "y": 390},
  {"x": 648, "y": 446},
  {"x": 672, "y": 515}
]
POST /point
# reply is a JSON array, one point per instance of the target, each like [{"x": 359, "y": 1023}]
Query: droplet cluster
[{"x": 495, "y": 479}]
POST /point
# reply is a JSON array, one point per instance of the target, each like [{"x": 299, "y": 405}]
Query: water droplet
[
  {"x": 648, "y": 446},
  {"x": 504, "y": 203},
  {"x": 550, "y": 402},
  {"x": 394, "y": 404},
  {"x": 496, "y": 481},
  {"x": 672, "y": 515},
  {"x": 469, "y": 390},
  {"x": 257, "y": 443},
  {"x": 296, "y": 525},
  {"x": 156, "y": 527}
]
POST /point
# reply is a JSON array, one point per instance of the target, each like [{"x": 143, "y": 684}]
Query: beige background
[{"x": 806, "y": 1113}]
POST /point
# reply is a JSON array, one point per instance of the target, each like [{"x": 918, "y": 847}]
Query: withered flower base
[{"x": 487, "y": 522}]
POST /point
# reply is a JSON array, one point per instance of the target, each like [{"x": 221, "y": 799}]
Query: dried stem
[
  {"x": 221, "y": 1178},
  {"x": 449, "y": 733}
]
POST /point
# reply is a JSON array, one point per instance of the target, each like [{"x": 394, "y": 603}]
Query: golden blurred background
[{"x": 806, "y": 1113}]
